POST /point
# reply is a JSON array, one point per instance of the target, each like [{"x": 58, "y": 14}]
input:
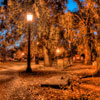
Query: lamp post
[
  {"x": 23, "y": 54},
  {"x": 57, "y": 51},
  {"x": 36, "y": 56},
  {"x": 29, "y": 19}
]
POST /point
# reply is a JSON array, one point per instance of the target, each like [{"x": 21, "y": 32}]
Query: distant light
[
  {"x": 23, "y": 54},
  {"x": 57, "y": 50},
  {"x": 95, "y": 33},
  {"x": 37, "y": 43},
  {"x": 29, "y": 17}
]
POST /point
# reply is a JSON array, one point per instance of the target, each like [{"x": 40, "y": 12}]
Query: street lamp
[
  {"x": 37, "y": 43},
  {"x": 29, "y": 19},
  {"x": 57, "y": 51},
  {"x": 36, "y": 56},
  {"x": 23, "y": 54}
]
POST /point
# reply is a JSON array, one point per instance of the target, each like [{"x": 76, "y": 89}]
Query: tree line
[{"x": 53, "y": 27}]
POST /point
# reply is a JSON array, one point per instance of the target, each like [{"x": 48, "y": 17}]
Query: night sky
[
  {"x": 1, "y": 1},
  {"x": 72, "y": 5}
]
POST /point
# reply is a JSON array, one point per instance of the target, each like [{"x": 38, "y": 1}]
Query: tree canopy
[{"x": 52, "y": 27}]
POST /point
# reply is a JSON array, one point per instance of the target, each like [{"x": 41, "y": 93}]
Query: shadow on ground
[
  {"x": 7, "y": 76},
  {"x": 40, "y": 73},
  {"x": 5, "y": 80}
]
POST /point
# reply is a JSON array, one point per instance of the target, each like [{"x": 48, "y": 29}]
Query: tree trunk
[
  {"x": 50, "y": 59},
  {"x": 46, "y": 57},
  {"x": 87, "y": 54},
  {"x": 36, "y": 60}
]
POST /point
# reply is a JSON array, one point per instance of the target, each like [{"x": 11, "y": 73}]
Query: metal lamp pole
[
  {"x": 57, "y": 51},
  {"x": 29, "y": 19}
]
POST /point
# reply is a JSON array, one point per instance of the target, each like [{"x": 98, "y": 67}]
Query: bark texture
[{"x": 46, "y": 57}]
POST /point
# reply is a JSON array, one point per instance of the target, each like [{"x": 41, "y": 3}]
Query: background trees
[
  {"x": 87, "y": 24},
  {"x": 52, "y": 27}
]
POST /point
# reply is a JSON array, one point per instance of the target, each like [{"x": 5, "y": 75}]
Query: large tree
[
  {"x": 48, "y": 26},
  {"x": 46, "y": 15},
  {"x": 87, "y": 22}
]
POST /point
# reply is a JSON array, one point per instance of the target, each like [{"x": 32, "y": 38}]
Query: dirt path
[{"x": 22, "y": 86}]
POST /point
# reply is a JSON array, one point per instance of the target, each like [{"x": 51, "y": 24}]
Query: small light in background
[
  {"x": 37, "y": 43},
  {"x": 57, "y": 50},
  {"x": 23, "y": 54}
]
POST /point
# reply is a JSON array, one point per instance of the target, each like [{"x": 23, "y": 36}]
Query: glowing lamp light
[
  {"x": 58, "y": 51},
  {"x": 22, "y": 54},
  {"x": 37, "y": 43},
  {"x": 29, "y": 17}
]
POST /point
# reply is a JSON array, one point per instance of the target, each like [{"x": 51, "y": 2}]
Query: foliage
[{"x": 51, "y": 26}]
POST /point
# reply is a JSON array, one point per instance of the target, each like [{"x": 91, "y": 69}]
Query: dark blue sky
[
  {"x": 72, "y": 5},
  {"x": 1, "y": 1}
]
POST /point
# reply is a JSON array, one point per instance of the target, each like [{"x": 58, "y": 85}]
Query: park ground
[{"x": 16, "y": 84}]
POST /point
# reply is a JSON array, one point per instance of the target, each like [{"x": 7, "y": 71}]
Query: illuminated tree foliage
[
  {"x": 43, "y": 27},
  {"x": 87, "y": 23},
  {"x": 48, "y": 26},
  {"x": 51, "y": 26}
]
